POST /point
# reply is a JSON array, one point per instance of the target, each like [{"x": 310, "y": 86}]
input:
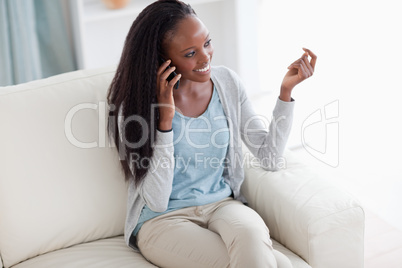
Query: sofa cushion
[
  {"x": 297, "y": 261},
  {"x": 105, "y": 253},
  {"x": 113, "y": 252},
  {"x": 60, "y": 182}
]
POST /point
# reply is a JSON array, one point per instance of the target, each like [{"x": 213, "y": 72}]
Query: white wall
[
  {"x": 359, "y": 49},
  {"x": 99, "y": 33}
]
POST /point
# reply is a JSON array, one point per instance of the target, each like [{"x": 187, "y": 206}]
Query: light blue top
[{"x": 200, "y": 148}]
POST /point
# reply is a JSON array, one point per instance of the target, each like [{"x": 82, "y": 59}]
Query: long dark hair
[{"x": 133, "y": 89}]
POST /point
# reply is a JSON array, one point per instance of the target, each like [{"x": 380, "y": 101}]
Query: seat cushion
[
  {"x": 105, "y": 253},
  {"x": 296, "y": 260},
  {"x": 113, "y": 252}
]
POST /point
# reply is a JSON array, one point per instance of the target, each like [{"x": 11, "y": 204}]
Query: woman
[{"x": 180, "y": 148}]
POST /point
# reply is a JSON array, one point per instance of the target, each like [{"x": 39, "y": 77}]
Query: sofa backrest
[{"x": 60, "y": 182}]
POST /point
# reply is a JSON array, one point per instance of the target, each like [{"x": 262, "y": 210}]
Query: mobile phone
[{"x": 172, "y": 75}]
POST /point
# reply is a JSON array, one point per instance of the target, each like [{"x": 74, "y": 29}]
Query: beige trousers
[{"x": 222, "y": 234}]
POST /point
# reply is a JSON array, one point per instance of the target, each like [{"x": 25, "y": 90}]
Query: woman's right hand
[{"x": 164, "y": 95}]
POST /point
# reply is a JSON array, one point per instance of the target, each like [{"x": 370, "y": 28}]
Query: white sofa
[{"x": 63, "y": 196}]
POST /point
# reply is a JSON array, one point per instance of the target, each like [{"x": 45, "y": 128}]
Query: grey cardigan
[{"x": 245, "y": 126}]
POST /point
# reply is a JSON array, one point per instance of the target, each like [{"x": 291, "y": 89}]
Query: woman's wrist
[
  {"x": 285, "y": 95},
  {"x": 165, "y": 125}
]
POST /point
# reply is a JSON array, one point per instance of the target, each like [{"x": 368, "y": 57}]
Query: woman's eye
[
  {"x": 208, "y": 43},
  {"x": 189, "y": 55}
]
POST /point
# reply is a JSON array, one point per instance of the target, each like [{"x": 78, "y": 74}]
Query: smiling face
[{"x": 190, "y": 50}]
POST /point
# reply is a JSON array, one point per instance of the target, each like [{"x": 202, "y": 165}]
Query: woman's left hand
[{"x": 299, "y": 70}]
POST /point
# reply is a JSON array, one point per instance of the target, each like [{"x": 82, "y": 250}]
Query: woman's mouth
[{"x": 204, "y": 70}]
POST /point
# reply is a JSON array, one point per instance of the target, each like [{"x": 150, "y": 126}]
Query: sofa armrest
[{"x": 307, "y": 214}]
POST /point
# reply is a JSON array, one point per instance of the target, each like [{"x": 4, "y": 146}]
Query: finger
[
  {"x": 166, "y": 74},
  {"x": 167, "y": 89},
  {"x": 307, "y": 66},
  {"x": 173, "y": 82},
  {"x": 163, "y": 67},
  {"x": 313, "y": 57},
  {"x": 311, "y": 54},
  {"x": 303, "y": 72},
  {"x": 301, "y": 69},
  {"x": 295, "y": 62},
  {"x": 166, "y": 92}
]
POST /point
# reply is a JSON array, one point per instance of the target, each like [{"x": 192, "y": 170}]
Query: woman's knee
[{"x": 255, "y": 234}]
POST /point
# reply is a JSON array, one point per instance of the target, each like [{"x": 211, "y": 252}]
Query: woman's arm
[
  {"x": 268, "y": 145},
  {"x": 156, "y": 187}
]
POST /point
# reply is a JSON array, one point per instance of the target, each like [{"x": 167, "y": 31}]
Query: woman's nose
[{"x": 205, "y": 57}]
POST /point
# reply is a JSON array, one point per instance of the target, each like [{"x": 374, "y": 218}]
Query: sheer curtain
[{"x": 34, "y": 41}]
